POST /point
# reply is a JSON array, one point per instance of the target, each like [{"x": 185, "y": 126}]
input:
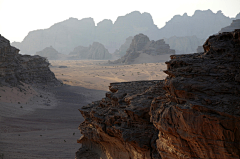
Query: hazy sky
[{"x": 18, "y": 17}]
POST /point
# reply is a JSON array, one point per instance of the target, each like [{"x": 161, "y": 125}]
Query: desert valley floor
[
  {"x": 98, "y": 74},
  {"x": 51, "y": 131}
]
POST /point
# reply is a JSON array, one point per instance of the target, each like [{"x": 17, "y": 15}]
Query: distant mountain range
[{"x": 66, "y": 35}]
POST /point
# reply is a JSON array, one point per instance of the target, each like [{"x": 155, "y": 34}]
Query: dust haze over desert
[{"x": 119, "y": 80}]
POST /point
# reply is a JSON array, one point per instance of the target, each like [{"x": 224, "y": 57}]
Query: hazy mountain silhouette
[{"x": 66, "y": 35}]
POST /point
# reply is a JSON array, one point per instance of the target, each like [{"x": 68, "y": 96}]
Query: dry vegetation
[{"x": 98, "y": 74}]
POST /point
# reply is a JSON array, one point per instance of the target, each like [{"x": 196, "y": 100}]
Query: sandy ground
[
  {"x": 97, "y": 74},
  {"x": 42, "y": 123},
  {"x": 47, "y": 131}
]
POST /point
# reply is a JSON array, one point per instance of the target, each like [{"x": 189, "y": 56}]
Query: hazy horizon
[{"x": 20, "y": 17}]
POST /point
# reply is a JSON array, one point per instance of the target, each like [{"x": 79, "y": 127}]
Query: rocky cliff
[
  {"x": 96, "y": 51},
  {"x": 183, "y": 45},
  {"x": 51, "y": 54},
  {"x": 193, "y": 113},
  {"x": 142, "y": 49},
  {"x": 234, "y": 25},
  {"x": 16, "y": 68}
]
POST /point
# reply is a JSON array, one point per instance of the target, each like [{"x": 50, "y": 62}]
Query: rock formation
[
  {"x": 123, "y": 48},
  {"x": 234, "y": 25},
  {"x": 16, "y": 68},
  {"x": 96, "y": 51},
  {"x": 66, "y": 35},
  {"x": 51, "y": 54},
  {"x": 193, "y": 113},
  {"x": 187, "y": 44},
  {"x": 200, "y": 49},
  {"x": 141, "y": 47},
  {"x": 202, "y": 24}
]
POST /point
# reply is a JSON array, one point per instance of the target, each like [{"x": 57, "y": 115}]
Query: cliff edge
[
  {"x": 193, "y": 113},
  {"x": 16, "y": 68}
]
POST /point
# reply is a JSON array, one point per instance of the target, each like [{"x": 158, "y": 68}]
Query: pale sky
[{"x": 18, "y": 17}]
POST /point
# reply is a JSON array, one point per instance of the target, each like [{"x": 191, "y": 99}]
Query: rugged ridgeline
[
  {"x": 123, "y": 48},
  {"x": 142, "y": 50},
  {"x": 202, "y": 24},
  {"x": 194, "y": 113},
  {"x": 16, "y": 68},
  {"x": 51, "y": 54},
  {"x": 96, "y": 51},
  {"x": 234, "y": 25},
  {"x": 183, "y": 45},
  {"x": 66, "y": 35}
]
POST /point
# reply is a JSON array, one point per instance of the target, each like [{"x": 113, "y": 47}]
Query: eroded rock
[
  {"x": 193, "y": 113},
  {"x": 16, "y": 68}
]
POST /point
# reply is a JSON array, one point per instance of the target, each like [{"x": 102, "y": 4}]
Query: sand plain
[{"x": 98, "y": 74}]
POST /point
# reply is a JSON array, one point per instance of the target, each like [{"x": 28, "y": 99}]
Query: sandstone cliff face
[
  {"x": 194, "y": 113},
  {"x": 16, "y": 68},
  {"x": 96, "y": 51},
  {"x": 142, "y": 45}
]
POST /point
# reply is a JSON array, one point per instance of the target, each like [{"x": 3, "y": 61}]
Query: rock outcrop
[
  {"x": 16, "y": 68},
  {"x": 140, "y": 46},
  {"x": 123, "y": 48},
  {"x": 234, "y": 25},
  {"x": 51, "y": 54},
  {"x": 183, "y": 45},
  {"x": 96, "y": 51},
  {"x": 193, "y": 113}
]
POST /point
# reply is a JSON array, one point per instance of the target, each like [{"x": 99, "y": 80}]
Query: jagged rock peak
[{"x": 141, "y": 47}]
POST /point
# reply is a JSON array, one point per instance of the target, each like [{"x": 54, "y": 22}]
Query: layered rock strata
[
  {"x": 142, "y": 45},
  {"x": 16, "y": 68},
  {"x": 194, "y": 113}
]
